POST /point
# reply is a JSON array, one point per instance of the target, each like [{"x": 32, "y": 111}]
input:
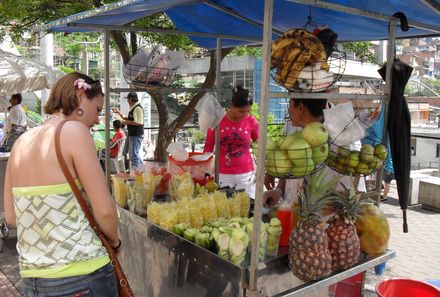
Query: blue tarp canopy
[{"x": 245, "y": 17}]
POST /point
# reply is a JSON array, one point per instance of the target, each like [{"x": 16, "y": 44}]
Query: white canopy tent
[{"x": 21, "y": 75}]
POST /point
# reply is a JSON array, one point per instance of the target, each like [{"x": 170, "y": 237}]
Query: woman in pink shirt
[{"x": 237, "y": 129}]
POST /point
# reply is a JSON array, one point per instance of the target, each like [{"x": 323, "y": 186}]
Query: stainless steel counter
[{"x": 158, "y": 264}]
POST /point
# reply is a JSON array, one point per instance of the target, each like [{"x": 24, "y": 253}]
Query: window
[{"x": 437, "y": 151}]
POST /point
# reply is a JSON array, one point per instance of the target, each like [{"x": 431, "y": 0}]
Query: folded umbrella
[{"x": 399, "y": 131}]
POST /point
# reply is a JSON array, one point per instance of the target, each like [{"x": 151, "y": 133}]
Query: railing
[{"x": 425, "y": 165}]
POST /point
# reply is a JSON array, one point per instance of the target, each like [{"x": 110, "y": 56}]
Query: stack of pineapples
[{"x": 325, "y": 239}]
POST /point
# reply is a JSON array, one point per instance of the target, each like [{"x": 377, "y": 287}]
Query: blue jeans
[
  {"x": 135, "y": 144},
  {"x": 100, "y": 283}
]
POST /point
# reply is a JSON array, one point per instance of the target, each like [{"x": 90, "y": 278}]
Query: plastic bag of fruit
[
  {"x": 119, "y": 189},
  {"x": 182, "y": 185},
  {"x": 168, "y": 216}
]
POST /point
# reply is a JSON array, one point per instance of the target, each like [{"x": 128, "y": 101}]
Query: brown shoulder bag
[{"x": 123, "y": 285}]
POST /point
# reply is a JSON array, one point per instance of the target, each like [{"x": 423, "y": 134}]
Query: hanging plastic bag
[
  {"x": 343, "y": 126},
  {"x": 136, "y": 68},
  {"x": 210, "y": 112},
  {"x": 177, "y": 151},
  {"x": 153, "y": 67},
  {"x": 162, "y": 69}
]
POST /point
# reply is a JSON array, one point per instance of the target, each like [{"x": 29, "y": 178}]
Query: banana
[
  {"x": 296, "y": 67},
  {"x": 313, "y": 43},
  {"x": 289, "y": 58},
  {"x": 278, "y": 50}
]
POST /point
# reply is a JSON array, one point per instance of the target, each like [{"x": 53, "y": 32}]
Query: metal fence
[{"x": 425, "y": 165}]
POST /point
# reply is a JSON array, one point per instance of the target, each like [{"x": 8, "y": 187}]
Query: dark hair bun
[
  {"x": 237, "y": 89},
  {"x": 240, "y": 97}
]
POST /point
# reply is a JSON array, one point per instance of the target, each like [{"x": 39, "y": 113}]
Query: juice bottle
[
  {"x": 295, "y": 215},
  {"x": 284, "y": 213}
]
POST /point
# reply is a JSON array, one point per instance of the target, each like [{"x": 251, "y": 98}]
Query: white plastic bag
[
  {"x": 344, "y": 128},
  {"x": 162, "y": 69},
  {"x": 136, "y": 69},
  {"x": 153, "y": 67},
  {"x": 210, "y": 112},
  {"x": 178, "y": 151}
]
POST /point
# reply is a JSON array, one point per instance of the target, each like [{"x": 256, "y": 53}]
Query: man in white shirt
[{"x": 17, "y": 115}]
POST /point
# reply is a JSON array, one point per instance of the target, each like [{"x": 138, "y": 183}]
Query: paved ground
[
  {"x": 9, "y": 275},
  {"x": 417, "y": 252}
]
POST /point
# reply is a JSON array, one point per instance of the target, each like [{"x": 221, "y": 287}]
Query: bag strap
[{"x": 78, "y": 194}]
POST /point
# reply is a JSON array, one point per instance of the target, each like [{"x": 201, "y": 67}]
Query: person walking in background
[
  {"x": 59, "y": 253},
  {"x": 135, "y": 126},
  {"x": 15, "y": 123},
  {"x": 388, "y": 176},
  {"x": 237, "y": 129},
  {"x": 1, "y": 131},
  {"x": 17, "y": 115}
]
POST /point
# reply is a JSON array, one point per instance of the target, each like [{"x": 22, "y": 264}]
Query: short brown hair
[{"x": 63, "y": 93}]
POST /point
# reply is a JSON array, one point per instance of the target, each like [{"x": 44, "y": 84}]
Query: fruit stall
[{"x": 208, "y": 242}]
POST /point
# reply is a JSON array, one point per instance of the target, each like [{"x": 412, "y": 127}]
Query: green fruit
[
  {"x": 363, "y": 168},
  {"x": 343, "y": 151},
  {"x": 270, "y": 145},
  {"x": 380, "y": 151},
  {"x": 320, "y": 153},
  {"x": 367, "y": 153},
  {"x": 286, "y": 142},
  {"x": 332, "y": 163},
  {"x": 315, "y": 133},
  {"x": 341, "y": 168},
  {"x": 351, "y": 170},
  {"x": 303, "y": 170},
  {"x": 344, "y": 160},
  {"x": 278, "y": 163},
  {"x": 299, "y": 152},
  {"x": 375, "y": 163},
  {"x": 353, "y": 159}
]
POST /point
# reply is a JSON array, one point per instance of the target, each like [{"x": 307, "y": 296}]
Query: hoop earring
[{"x": 79, "y": 112}]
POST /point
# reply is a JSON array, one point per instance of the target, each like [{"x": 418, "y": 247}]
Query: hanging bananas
[{"x": 296, "y": 49}]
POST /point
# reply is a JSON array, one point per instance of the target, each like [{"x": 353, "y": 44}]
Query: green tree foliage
[
  {"x": 19, "y": 16},
  {"x": 246, "y": 50},
  {"x": 362, "y": 50},
  {"x": 273, "y": 129}
]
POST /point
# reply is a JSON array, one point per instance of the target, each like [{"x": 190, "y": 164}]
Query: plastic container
[
  {"x": 294, "y": 216},
  {"x": 284, "y": 214},
  {"x": 119, "y": 189},
  {"x": 399, "y": 287},
  {"x": 197, "y": 168}
]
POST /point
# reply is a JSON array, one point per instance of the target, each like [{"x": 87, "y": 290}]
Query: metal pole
[
  {"x": 85, "y": 58},
  {"x": 107, "y": 104},
  {"x": 46, "y": 57},
  {"x": 388, "y": 87},
  {"x": 218, "y": 81},
  {"x": 262, "y": 132}
]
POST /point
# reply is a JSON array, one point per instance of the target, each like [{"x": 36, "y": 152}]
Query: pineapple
[
  {"x": 309, "y": 256},
  {"x": 344, "y": 243}
]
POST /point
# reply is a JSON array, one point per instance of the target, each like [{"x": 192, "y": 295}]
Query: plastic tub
[
  {"x": 197, "y": 168},
  {"x": 402, "y": 287}
]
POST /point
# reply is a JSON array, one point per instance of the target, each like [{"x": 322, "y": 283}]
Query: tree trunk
[{"x": 167, "y": 131}]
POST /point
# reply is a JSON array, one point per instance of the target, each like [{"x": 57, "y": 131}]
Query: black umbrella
[{"x": 399, "y": 130}]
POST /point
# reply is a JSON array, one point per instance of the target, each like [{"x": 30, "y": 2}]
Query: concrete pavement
[
  {"x": 9, "y": 274},
  {"x": 417, "y": 252}
]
